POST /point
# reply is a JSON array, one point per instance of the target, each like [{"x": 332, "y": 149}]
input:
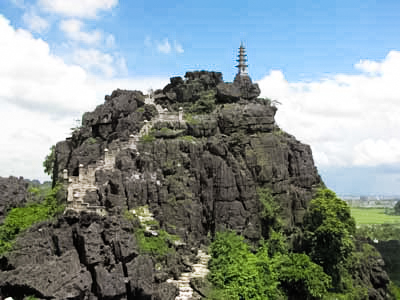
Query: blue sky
[{"x": 334, "y": 67}]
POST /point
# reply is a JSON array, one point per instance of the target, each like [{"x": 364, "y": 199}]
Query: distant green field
[{"x": 365, "y": 216}]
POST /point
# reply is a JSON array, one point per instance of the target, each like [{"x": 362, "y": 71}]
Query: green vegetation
[
  {"x": 147, "y": 138},
  {"x": 91, "y": 141},
  {"x": 190, "y": 119},
  {"x": 328, "y": 235},
  {"x": 168, "y": 132},
  {"x": 381, "y": 232},
  {"x": 270, "y": 208},
  {"x": 205, "y": 104},
  {"x": 159, "y": 245},
  {"x": 238, "y": 273},
  {"x": 300, "y": 278},
  {"x": 278, "y": 131},
  {"x": 156, "y": 241},
  {"x": 21, "y": 218},
  {"x": 369, "y": 216},
  {"x": 48, "y": 163},
  {"x": 394, "y": 290},
  {"x": 330, "y": 267},
  {"x": 188, "y": 138}
]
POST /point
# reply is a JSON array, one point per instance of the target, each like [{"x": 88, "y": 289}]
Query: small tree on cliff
[
  {"x": 48, "y": 163},
  {"x": 329, "y": 227}
]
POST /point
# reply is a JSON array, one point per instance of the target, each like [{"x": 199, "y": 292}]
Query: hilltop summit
[{"x": 149, "y": 181}]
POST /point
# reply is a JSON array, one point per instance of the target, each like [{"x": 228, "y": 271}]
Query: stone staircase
[
  {"x": 200, "y": 270},
  {"x": 78, "y": 186}
]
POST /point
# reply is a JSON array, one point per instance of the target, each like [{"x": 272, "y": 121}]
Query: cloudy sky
[{"x": 335, "y": 67}]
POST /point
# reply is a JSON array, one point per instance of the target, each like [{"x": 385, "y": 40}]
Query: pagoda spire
[{"x": 242, "y": 66}]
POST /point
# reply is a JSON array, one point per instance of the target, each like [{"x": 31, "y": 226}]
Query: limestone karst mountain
[{"x": 149, "y": 180}]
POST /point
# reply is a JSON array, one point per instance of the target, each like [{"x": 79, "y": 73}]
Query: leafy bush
[
  {"x": 300, "y": 278},
  {"x": 147, "y": 138},
  {"x": 158, "y": 245},
  {"x": 190, "y": 119},
  {"x": 238, "y": 273},
  {"x": 394, "y": 291},
  {"x": 270, "y": 208},
  {"x": 205, "y": 104},
  {"x": 21, "y": 218},
  {"x": 329, "y": 227},
  {"x": 91, "y": 141}
]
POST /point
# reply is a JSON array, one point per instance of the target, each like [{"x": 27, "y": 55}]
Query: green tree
[
  {"x": 300, "y": 278},
  {"x": 329, "y": 227},
  {"x": 48, "y": 163},
  {"x": 237, "y": 273}
]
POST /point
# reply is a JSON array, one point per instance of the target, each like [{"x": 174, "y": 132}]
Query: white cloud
[
  {"x": 32, "y": 77},
  {"x": 345, "y": 118},
  {"x": 78, "y": 8},
  {"x": 164, "y": 47},
  {"x": 35, "y": 23},
  {"x": 371, "y": 152},
  {"x": 96, "y": 61},
  {"x": 368, "y": 66},
  {"x": 73, "y": 30},
  {"x": 40, "y": 98}
]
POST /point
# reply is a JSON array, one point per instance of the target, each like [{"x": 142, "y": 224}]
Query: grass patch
[
  {"x": 370, "y": 216},
  {"x": 21, "y": 218},
  {"x": 159, "y": 245},
  {"x": 190, "y": 119},
  {"x": 188, "y": 138},
  {"x": 147, "y": 138}
]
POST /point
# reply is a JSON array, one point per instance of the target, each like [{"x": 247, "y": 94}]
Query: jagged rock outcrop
[
  {"x": 13, "y": 193},
  {"x": 370, "y": 271},
  {"x": 241, "y": 88},
  {"x": 196, "y": 175},
  {"x": 85, "y": 258}
]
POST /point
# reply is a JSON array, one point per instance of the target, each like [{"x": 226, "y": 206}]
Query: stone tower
[
  {"x": 242, "y": 79},
  {"x": 242, "y": 66}
]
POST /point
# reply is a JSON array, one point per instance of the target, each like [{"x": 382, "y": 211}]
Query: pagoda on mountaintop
[
  {"x": 242, "y": 78},
  {"x": 242, "y": 66}
]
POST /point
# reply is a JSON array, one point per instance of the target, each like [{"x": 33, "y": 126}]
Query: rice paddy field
[{"x": 370, "y": 216}]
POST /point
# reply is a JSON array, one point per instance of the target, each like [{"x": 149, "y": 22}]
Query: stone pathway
[
  {"x": 78, "y": 186},
  {"x": 200, "y": 270}
]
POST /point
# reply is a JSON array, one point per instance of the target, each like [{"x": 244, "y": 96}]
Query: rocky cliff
[
  {"x": 193, "y": 155},
  {"x": 13, "y": 193}
]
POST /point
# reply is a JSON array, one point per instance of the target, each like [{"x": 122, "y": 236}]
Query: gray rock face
[
  {"x": 196, "y": 176},
  {"x": 13, "y": 193},
  {"x": 371, "y": 272},
  {"x": 241, "y": 88},
  {"x": 197, "y": 185},
  {"x": 83, "y": 257}
]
